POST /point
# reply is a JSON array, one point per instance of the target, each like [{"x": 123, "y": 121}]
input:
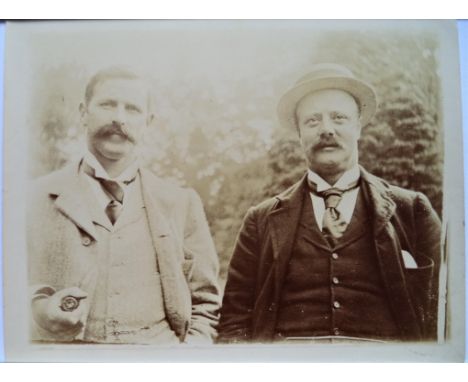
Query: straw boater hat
[{"x": 327, "y": 76}]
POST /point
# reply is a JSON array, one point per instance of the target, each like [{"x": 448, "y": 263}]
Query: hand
[{"x": 49, "y": 314}]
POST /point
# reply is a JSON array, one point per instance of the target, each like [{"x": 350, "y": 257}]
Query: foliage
[
  {"x": 402, "y": 144},
  {"x": 224, "y": 140}
]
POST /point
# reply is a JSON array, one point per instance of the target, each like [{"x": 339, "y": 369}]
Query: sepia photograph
[{"x": 199, "y": 190}]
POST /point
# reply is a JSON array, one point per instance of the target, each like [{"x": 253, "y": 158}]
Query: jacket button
[
  {"x": 335, "y": 256},
  {"x": 336, "y": 304},
  {"x": 336, "y": 331},
  {"x": 335, "y": 280},
  {"x": 86, "y": 241}
]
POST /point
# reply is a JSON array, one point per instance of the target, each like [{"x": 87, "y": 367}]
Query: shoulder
[
  {"x": 53, "y": 182},
  {"x": 42, "y": 193},
  {"x": 166, "y": 185},
  {"x": 266, "y": 205},
  {"x": 403, "y": 197},
  {"x": 287, "y": 198},
  {"x": 168, "y": 192}
]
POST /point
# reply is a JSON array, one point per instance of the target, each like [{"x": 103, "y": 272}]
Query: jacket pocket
[
  {"x": 419, "y": 282},
  {"x": 421, "y": 276},
  {"x": 187, "y": 264}
]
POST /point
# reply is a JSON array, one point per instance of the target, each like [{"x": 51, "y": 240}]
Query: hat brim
[{"x": 362, "y": 92}]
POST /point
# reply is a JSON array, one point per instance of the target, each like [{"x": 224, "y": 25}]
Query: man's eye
[
  {"x": 312, "y": 122},
  {"x": 107, "y": 104},
  {"x": 340, "y": 117},
  {"x": 133, "y": 109}
]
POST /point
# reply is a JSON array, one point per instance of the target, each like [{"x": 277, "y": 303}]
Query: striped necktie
[
  {"x": 111, "y": 188},
  {"x": 333, "y": 225}
]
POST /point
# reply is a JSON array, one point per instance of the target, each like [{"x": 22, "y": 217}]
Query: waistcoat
[
  {"x": 127, "y": 305},
  {"x": 334, "y": 291}
]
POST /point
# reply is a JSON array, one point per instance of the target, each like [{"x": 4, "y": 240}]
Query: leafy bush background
[{"x": 216, "y": 130}]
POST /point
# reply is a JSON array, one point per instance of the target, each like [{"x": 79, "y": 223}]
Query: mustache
[
  {"x": 115, "y": 128},
  {"x": 330, "y": 142}
]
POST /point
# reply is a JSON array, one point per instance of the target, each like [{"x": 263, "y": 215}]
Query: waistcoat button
[
  {"x": 336, "y": 304},
  {"x": 335, "y": 256}
]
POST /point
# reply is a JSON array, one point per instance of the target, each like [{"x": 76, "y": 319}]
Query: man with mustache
[
  {"x": 341, "y": 255},
  {"x": 117, "y": 255}
]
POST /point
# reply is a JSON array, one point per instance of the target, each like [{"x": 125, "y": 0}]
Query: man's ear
[
  {"x": 150, "y": 119},
  {"x": 296, "y": 124},
  {"x": 359, "y": 127},
  {"x": 82, "y": 109},
  {"x": 298, "y": 130}
]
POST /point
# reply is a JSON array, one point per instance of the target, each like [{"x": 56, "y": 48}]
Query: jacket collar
[
  {"x": 284, "y": 218},
  {"x": 379, "y": 192},
  {"x": 67, "y": 187},
  {"x": 381, "y": 201},
  {"x": 292, "y": 197}
]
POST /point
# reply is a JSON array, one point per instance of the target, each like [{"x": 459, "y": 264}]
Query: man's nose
[
  {"x": 119, "y": 116},
  {"x": 327, "y": 128}
]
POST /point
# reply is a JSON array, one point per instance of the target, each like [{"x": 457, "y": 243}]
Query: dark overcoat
[{"x": 400, "y": 220}]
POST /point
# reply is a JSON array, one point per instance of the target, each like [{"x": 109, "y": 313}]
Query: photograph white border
[{"x": 16, "y": 181}]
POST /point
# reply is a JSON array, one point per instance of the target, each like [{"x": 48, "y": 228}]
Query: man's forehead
[
  {"x": 121, "y": 82},
  {"x": 129, "y": 90},
  {"x": 331, "y": 97}
]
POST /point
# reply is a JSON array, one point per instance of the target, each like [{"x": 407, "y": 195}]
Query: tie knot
[
  {"x": 111, "y": 187},
  {"x": 332, "y": 197}
]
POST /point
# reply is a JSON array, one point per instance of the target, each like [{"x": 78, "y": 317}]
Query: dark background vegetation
[{"x": 223, "y": 139}]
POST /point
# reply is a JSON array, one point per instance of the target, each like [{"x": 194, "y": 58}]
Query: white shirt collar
[
  {"x": 349, "y": 177},
  {"x": 100, "y": 172}
]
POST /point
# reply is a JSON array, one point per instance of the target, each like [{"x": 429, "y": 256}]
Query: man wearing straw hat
[{"x": 341, "y": 255}]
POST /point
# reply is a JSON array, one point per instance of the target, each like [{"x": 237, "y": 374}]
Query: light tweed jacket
[{"x": 61, "y": 231}]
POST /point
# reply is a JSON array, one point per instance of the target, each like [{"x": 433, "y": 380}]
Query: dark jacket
[{"x": 401, "y": 220}]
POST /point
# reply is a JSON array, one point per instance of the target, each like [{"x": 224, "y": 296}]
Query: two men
[
  {"x": 341, "y": 255},
  {"x": 117, "y": 255},
  {"x": 120, "y": 256}
]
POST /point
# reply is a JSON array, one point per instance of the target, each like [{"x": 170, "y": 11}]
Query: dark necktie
[
  {"x": 114, "y": 190},
  {"x": 333, "y": 225}
]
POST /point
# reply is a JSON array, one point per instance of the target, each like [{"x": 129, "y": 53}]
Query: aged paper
[{"x": 215, "y": 86}]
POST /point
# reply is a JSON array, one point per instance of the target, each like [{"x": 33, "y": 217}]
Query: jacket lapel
[
  {"x": 159, "y": 207},
  {"x": 358, "y": 226},
  {"x": 284, "y": 221},
  {"x": 388, "y": 251},
  {"x": 72, "y": 200},
  {"x": 380, "y": 197}
]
